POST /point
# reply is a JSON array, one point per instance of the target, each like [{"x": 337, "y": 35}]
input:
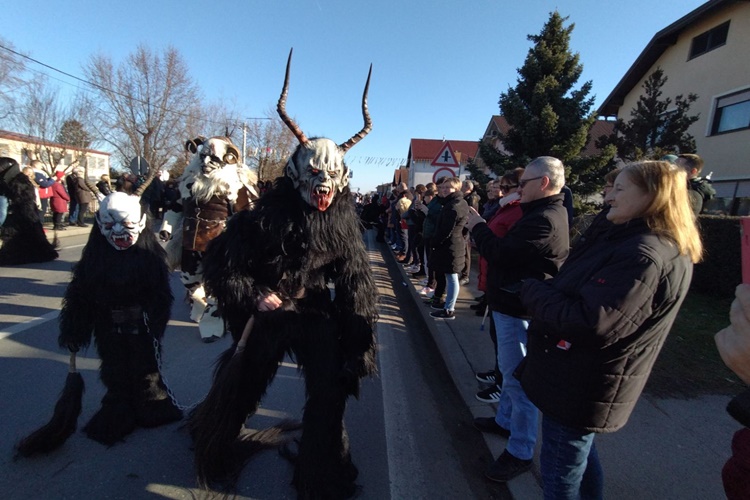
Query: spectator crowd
[{"x": 576, "y": 325}]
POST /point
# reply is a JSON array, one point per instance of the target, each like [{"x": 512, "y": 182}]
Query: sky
[{"x": 439, "y": 67}]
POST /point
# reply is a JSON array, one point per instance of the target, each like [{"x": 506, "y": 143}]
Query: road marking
[{"x": 31, "y": 323}]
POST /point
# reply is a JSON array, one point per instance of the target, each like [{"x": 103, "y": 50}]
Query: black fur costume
[
  {"x": 111, "y": 294},
  {"x": 285, "y": 246},
  {"x": 22, "y": 234}
]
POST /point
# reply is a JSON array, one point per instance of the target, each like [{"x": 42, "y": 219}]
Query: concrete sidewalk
[{"x": 670, "y": 449}]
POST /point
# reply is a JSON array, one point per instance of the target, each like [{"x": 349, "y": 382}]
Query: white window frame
[{"x": 730, "y": 98}]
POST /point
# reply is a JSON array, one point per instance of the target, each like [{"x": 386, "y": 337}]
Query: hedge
[{"x": 721, "y": 269}]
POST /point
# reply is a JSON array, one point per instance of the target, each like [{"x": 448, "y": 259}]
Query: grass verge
[{"x": 689, "y": 365}]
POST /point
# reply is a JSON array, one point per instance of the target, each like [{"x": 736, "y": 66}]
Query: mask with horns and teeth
[
  {"x": 317, "y": 167},
  {"x": 119, "y": 219}
]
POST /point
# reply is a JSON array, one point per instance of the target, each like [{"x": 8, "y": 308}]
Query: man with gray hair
[{"x": 535, "y": 247}]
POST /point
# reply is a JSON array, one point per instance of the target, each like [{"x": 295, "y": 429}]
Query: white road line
[{"x": 20, "y": 327}]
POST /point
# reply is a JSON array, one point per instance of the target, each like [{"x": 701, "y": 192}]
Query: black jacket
[
  {"x": 448, "y": 244},
  {"x": 598, "y": 326},
  {"x": 535, "y": 247}
]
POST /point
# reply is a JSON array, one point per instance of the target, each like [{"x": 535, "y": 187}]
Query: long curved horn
[
  {"x": 366, "y": 115},
  {"x": 142, "y": 187},
  {"x": 281, "y": 106}
]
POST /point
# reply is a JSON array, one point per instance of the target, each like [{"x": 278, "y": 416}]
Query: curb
[{"x": 454, "y": 343}]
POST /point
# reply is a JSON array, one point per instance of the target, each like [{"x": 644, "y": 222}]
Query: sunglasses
[
  {"x": 522, "y": 183},
  {"x": 507, "y": 187}
]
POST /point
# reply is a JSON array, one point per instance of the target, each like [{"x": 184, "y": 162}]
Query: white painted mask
[{"x": 120, "y": 221}]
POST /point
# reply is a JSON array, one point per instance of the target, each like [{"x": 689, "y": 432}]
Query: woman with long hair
[{"x": 598, "y": 326}]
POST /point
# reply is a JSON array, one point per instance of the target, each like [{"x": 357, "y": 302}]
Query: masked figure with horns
[
  {"x": 215, "y": 185},
  {"x": 270, "y": 273},
  {"x": 119, "y": 292}
]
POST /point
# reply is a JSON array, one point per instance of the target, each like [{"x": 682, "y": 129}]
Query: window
[
  {"x": 732, "y": 113},
  {"x": 710, "y": 40}
]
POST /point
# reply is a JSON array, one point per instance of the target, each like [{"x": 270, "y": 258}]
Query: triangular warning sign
[{"x": 446, "y": 157}]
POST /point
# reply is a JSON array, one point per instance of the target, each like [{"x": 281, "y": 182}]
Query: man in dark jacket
[
  {"x": 700, "y": 190},
  {"x": 83, "y": 194},
  {"x": 535, "y": 247},
  {"x": 71, "y": 180}
]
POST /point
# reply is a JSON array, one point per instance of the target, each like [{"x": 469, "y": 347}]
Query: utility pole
[{"x": 244, "y": 142}]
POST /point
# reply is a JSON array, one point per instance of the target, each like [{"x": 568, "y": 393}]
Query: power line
[{"x": 126, "y": 96}]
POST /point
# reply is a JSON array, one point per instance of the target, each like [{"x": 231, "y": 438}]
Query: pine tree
[
  {"x": 656, "y": 127},
  {"x": 547, "y": 115},
  {"x": 73, "y": 133}
]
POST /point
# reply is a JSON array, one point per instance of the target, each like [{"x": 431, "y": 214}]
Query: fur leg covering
[
  {"x": 324, "y": 468},
  {"x": 153, "y": 405},
  {"x": 239, "y": 384},
  {"x": 28, "y": 245},
  {"x": 114, "y": 420}
]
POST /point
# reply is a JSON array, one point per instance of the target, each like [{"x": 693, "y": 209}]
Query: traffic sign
[
  {"x": 446, "y": 157},
  {"x": 139, "y": 166}
]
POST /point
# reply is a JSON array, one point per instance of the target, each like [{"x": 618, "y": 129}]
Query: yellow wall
[{"x": 716, "y": 73}]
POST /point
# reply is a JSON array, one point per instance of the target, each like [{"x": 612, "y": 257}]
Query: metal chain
[{"x": 157, "y": 355}]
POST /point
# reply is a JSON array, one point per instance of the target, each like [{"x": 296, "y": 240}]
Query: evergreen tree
[
  {"x": 493, "y": 159},
  {"x": 656, "y": 127},
  {"x": 547, "y": 114},
  {"x": 476, "y": 173},
  {"x": 72, "y": 133}
]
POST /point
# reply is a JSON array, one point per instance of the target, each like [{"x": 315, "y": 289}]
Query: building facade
[
  {"x": 706, "y": 53},
  {"x": 25, "y": 149},
  {"x": 431, "y": 159}
]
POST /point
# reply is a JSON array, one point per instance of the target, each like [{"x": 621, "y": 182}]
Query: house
[
  {"x": 25, "y": 148},
  {"x": 499, "y": 126},
  {"x": 431, "y": 159},
  {"x": 704, "y": 52}
]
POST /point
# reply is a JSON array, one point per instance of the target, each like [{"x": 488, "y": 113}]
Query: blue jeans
[
  {"x": 514, "y": 412},
  {"x": 569, "y": 463},
  {"x": 451, "y": 291}
]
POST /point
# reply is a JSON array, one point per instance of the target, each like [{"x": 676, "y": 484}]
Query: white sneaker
[{"x": 427, "y": 292}]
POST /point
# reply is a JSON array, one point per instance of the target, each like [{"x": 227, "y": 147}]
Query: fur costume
[
  {"x": 302, "y": 235},
  {"x": 22, "y": 234},
  {"x": 213, "y": 186},
  {"x": 120, "y": 292}
]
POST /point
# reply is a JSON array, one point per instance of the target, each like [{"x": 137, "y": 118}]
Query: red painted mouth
[
  {"x": 122, "y": 241},
  {"x": 322, "y": 198}
]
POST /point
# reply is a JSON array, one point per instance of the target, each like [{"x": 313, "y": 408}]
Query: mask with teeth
[
  {"x": 317, "y": 166},
  {"x": 318, "y": 172},
  {"x": 119, "y": 219}
]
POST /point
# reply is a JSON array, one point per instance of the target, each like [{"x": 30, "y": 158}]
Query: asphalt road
[{"x": 408, "y": 431}]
